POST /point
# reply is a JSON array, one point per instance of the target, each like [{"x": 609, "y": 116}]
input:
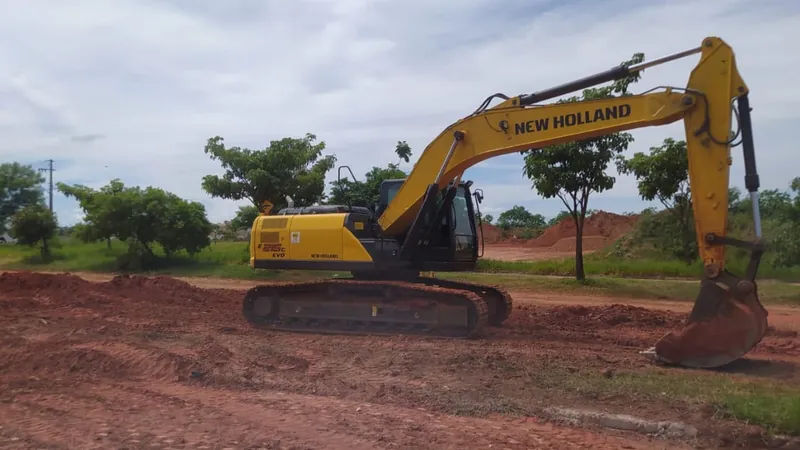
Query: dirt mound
[
  {"x": 589, "y": 243},
  {"x": 612, "y": 315},
  {"x": 601, "y": 317},
  {"x": 609, "y": 324},
  {"x": 46, "y": 359},
  {"x": 158, "y": 304},
  {"x": 27, "y": 282},
  {"x": 599, "y": 230},
  {"x": 160, "y": 290},
  {"x": 29, "y": 290},
  {"x": 491, "y": 233},
  {"x": 601, "y": 224}
]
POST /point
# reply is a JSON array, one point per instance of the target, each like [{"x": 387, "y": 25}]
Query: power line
[{"x": 50, "y": 170}]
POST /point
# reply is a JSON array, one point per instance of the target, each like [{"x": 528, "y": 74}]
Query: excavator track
[
  {"x": 497, "y": 299},
  {"x": 366, "y": 307}
]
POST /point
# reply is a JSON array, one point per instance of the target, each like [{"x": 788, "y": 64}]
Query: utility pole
[{"x": 50, "y": 169}]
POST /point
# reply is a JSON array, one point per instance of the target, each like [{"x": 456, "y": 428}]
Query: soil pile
[
  {"x": 611, "y": 316},
  {"x": 27, "y": 290},
  {"x": 588, "y": 319},
  {"x": 598, "y": 229},
  {"x": 491, "y": 234},
  {"x": 152, "y": 299}
]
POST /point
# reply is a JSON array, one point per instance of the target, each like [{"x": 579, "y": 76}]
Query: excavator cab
[{"x": 450, "y": 224}]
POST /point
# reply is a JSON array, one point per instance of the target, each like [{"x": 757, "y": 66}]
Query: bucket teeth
[{"x": 727, "y": 321}]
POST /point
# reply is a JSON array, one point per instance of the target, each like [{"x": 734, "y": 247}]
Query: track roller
[{"x": 497, "y": 299}]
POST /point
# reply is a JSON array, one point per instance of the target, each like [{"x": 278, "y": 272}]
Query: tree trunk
[
  {"x": 45, "y": 249},
  {"x": 580, "y": 275},
  {"x": 108, "y": 243}
]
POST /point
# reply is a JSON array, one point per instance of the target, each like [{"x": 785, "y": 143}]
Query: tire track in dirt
[
  {"x": 381, "y": 426},
  {"x": 158, "y": 415}
]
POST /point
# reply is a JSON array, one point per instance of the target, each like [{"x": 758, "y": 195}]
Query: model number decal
[
  {"x": 278, "y": 251},
  {"x": 272, "y": 247}
]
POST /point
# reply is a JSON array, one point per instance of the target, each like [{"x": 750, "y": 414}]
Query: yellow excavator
[{"x": 427, "y": 221}]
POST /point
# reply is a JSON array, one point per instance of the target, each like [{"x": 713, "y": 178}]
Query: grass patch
[
  {"x": 221, "y": 259},
  {"x": 777, "y": 411},
  {"x": 769, "y": 291},
  {"x": 639, "y": 268},
  {"x": 229, "y": 260},
  {"x": 770, "y": 404}
]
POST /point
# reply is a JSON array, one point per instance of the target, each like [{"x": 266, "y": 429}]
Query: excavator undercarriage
[{"x": 423, "y": 306}]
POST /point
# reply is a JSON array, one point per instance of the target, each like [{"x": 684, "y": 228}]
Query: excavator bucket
[{"x": 726, "y": 322}]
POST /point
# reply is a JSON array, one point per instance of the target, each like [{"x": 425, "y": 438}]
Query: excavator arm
[{"x": 727, "y": 319}]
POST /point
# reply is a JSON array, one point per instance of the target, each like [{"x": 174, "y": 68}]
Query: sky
[{"x": 132, "y": 89}]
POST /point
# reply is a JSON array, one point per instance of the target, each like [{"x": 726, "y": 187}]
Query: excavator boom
[{"x": 727, "y": 319}]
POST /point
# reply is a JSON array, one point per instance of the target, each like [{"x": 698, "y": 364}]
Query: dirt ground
[
  {"x": 133, "y": 362},
  {"x": 512, "y": 252}
]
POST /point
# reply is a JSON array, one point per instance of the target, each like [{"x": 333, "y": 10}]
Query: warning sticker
[{"x": 295, "y": 237}]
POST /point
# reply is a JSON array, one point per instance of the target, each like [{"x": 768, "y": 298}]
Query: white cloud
[{"x": 149, "y": 81}]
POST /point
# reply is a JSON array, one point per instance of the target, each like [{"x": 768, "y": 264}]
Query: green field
[
  {"x": 229, "y": 260},
  {"x": 602, "y": 264}
]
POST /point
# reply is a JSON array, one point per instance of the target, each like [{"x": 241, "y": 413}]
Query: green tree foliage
[
  {"x": 98, "y": 225},
  {"x": 363, "y": 193},
  {"x": 403, "y": 150},
  {"x": 488, "y": 218},
  {"x": 663, "y": 175},
  {"x": 519, "y": 217},
  {"x": 244, "y": 218},
  {"x": 19, "y": 188},
  {"x": 85, "y": 233},
  {"x": 780, "y": 212},
  {"x": 772, "y": 203},
  {"x": 658, "y": 233},
  {"x": 34, "y": 224},
  {"x": 572, "y": 171},
  {"x": 142, "y": 218},
  {"x": 290, "y": 166}
]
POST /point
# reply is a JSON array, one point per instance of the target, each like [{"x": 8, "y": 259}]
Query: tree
[
  {"x": 781, "y": 213},
  {"x": 19, "y": 188},
  {"x": 403, "y": 150},
  {"x": 572, "y": 171},
  {"x": 34, "y": 224},
  {"x": 85, "y": 233},
  {"x": 142, "y": 218},
  {"x": 245, "y": 217},
  {"x": 97, "y": 224},
  {"x": 519, "y": 217},
  {"x": 363, "y": 193},
  {"x": 488, "y": 218},
  {"x": 290, "y": 166},
  {"x": 772, "y": 203},
  {"x": 663, "y": 174}
]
